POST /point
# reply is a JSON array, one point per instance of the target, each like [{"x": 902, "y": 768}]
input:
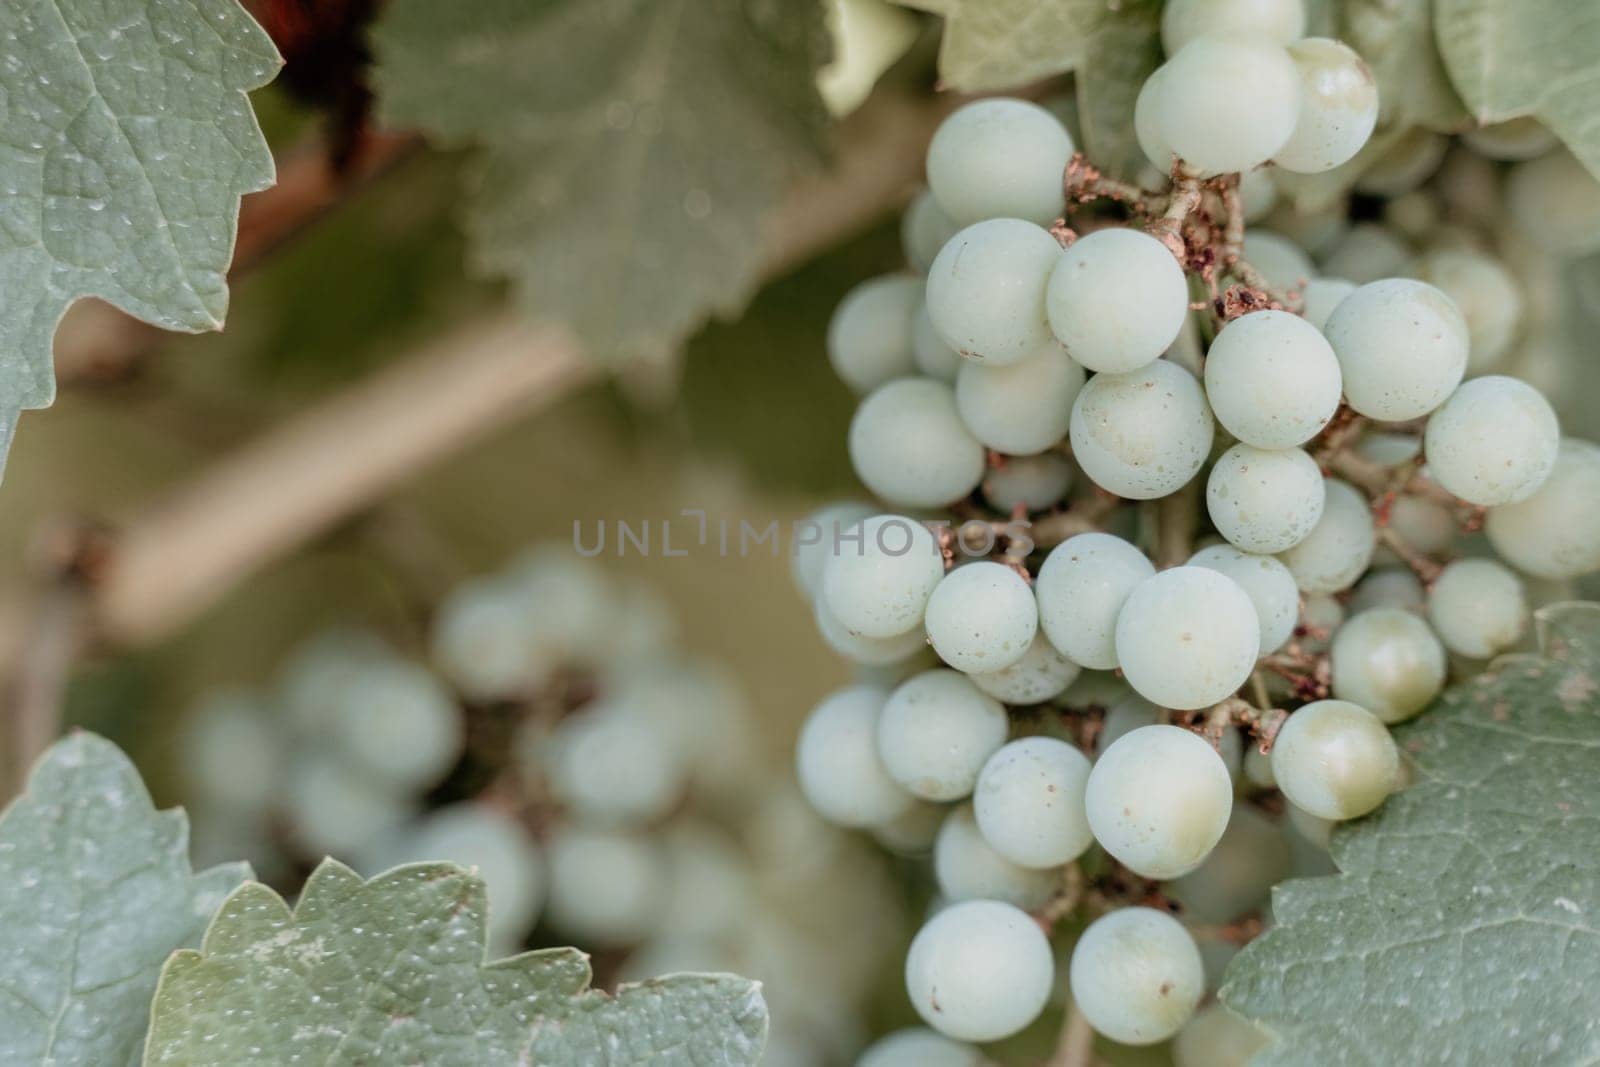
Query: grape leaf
[
  {"x": 634, "y": 151},
  {"x": 392, "y": 971},
  {"x": 1397, "y": 39},
  {"x": 95, "y": 892},
  {"x": 1122, "y": 46},
  {"x": 126, "y": 141},
  {"x": 1000, "y": 44},
  {"x": 1464, "y": 926},
  {"x": 1511, "y": 58}
]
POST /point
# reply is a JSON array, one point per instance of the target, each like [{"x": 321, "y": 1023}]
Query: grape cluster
[
  {"x": 549, "y": 732},
  {"x": 1173, "y": 526}
]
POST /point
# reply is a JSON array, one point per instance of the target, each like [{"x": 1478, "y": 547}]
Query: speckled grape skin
[
  {"x": 980, "y": 970},
  {"x": 1493, "y": 442},
  {"x": 1029, "y": 802},
  {"x": 1158, "y": 800},
  {"x": 1136, "y": 975},
  {"x": 999, "y": 158},
  {"x": 1272, "y": 379},
  {"x": 982, "y": 617},
  {"x": 1402, "y": 348},
  {"x": 1144, "y": 434},
  {"x": 1081, "y": 588},
  {"x": 986, "y": 290},
  {"x": 1187, "y": 637},
  {"x": 936, "y": 732},
  {"x": 1555, "y": 533},
  {"x": 1265, "y": 501},
  {"x": 1338, "y": 106},
  {"x": 1266, "y": 581},
  {"x": 1339, "y": 547},
  {"x": 1117, "y": 299},
  {"x": 872, "y": 587},
  {"x": 1041, "y": 674}
]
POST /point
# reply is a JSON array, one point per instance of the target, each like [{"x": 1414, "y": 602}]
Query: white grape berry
[
  {"x": 935, "y": 733},
  {"x": 1081, "y": 589},
  {"x": 234, "y": 754},
  {"x": 1321, "y": 296},
  {"x": 914, "y": 833},
  {"x": 1283, "y": 263},
  {"x": 916, "y": 1046},
  {"x": 931, "y": 353},
  {"x": 1021, "y": 408},
  {"x": 1216, "y": 1037},
  {"x": 1367, "y": 252},
  {"x": 1338, "y": 107},
  {"x": 1478, "y": 608},
  {"x": 1555, "y": 533},
  {"x": 966, "y": 867},
  {"x": 1228, "y": 104},
  {"x": 1136, "y": 975},
  {"x": 334, "y": 812},
  {"x": 1493, "y": 442},
  {"x": 909, "y": 445},
  {"x": 979, "y": 970},
  {"x": 1339, "y": 547},
  {"x": 1405, "y": 164},
  {"x": 498, "y": 849},
  {"x": 1265, "y": 501},
  {"x": 605, "y": 888},
  {"x": 837, "y": 762},
  {"x": 1513, "y": 140},
  {"x": 1034, "y": 483},
  {"x": 816, "y": 540},
  {"x": 616, "y": 762},
  {"x": 1029, "y": 802},
  {"x": 397, "y": 723},
  {"x": 1335, "y": 760},
  {"x": 986, "y": 290},
  {"x": 879, "y": 581},
  {"x": 1266, "y": 581},
  {"x": 483, "y": 641},
  {"x": 1389, "y": 587},
  {"x": 1182, "y": 21},
  {"x": 868, "y": 652},
  {"x": 1187, "y": 637},
  {"x": 999, "y": 158},
  {"x": 1389, "y": 449},
  {"x": 1041, "y": 674},
  {"x": 1402, "y": 348},
  {"x": 1143, "y": 434},
  {"x": 1237, "y": 878},
  {"x": 1124, "y": 717},
  {"x": 1158, "y": 800},
  {"x": 1555, "y": 202},
  {"x": 982, "y": 617},
  {"x": 1425, "y": 525},
  {"x": 1257, "y": 194},
  {"x": 869, "y": 336},
  {"x": 1117, "y": 299},
  {"x": 1272, "y": 379},
  {"x": 924, "y": 229},
  {"x": 1388, "y": 661},
  {"x": 1487, "y": 295},
  {"x": 1147, "y": 111}
]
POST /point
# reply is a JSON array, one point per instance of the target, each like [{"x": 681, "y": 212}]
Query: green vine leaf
[
  {"x": 1464, "y": 927},
  {"x": 392, "y": 971},
  {"x": 95, "y": 892},
  {"x": 126, "y": 141},
  {"x": 1001, "y": 44},
  {"x": 1511, "y": 58},
  {"x": 1122, "y": 47},
  {"x": 634, "y": 152}
]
